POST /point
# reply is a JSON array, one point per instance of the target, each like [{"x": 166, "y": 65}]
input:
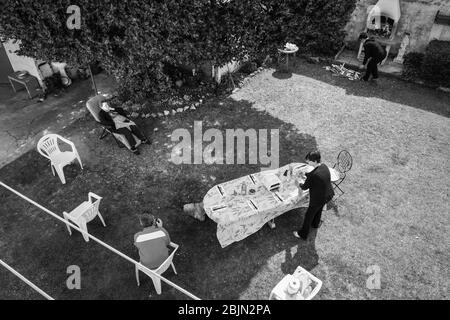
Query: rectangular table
[
  {"x": 30, "y": 83},
  {"x": 239, "y": 212}
]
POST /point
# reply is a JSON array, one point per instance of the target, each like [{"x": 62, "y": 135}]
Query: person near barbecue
[{"x": 374, "y": 54}]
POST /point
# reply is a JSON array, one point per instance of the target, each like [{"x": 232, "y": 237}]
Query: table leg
[{"x": 287, "y": 62}]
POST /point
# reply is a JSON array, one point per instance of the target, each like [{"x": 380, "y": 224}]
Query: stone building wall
[{"x": 417, "y": 18}]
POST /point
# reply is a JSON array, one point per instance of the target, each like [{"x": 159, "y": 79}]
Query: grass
[{"x": 394, "y": 213}]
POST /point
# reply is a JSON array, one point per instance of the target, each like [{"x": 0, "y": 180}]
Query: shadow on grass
[
  {"x": 388, "y": 88},
  {"x": 41, "y": 247},
  {"x": 282, "y": 75}
]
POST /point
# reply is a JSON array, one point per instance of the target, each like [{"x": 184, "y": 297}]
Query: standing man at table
[{"x": 321, "y": 192}]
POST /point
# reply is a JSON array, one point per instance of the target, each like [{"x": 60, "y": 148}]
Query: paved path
[{"x": 24, "y": 121}]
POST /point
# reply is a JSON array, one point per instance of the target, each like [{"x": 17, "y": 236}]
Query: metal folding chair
[{"x": 343, "y": 165}]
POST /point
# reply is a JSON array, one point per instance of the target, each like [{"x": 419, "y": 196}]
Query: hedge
[
  {"x": 412, "y": 65},
  {"x": 436, "y": 63},
  {"x": 135, "y": 39},
  {"x": 432, "y": 66}
]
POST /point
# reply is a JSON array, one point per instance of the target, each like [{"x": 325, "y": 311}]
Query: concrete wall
[
  {"x": 417, "y": 19},
  {"x": 21, "y": 63}
]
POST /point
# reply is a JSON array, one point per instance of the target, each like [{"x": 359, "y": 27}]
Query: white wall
[
  {"x": 21, "y": 63},
  {"x": 440, "y": 32}
]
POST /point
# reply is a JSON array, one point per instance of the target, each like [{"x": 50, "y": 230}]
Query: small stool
[{"x": 286, "y": 54}]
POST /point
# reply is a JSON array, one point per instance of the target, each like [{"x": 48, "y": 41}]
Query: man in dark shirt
[
  {"x": 125, "y": 126},
  {"x": 152, "y": 242},
  {"x": 321, "y": 192},
  {"x": 374, "y": 54}
]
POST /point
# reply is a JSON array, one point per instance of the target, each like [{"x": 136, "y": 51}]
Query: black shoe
[
  {"x": 135, "y": 151},
  {"x": 320, "y": 224}
]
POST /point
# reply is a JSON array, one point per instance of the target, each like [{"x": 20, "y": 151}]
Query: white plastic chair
[
  {"x": 160, "y": 270},
  {"x": 84, "y": 213},
  {"x": 48, "y": 147}
]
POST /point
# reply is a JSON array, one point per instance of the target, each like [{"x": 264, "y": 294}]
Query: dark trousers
[
  {"x": 312, "y": 218},
  {"x": 129, "y": 135},
  {"x": 372, "y": 69}
]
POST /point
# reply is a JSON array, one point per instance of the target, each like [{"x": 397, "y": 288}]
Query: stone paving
[{"x": 23, "y": 121}]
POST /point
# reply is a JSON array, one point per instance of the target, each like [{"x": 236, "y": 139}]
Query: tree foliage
[{"x": 133, "y": 39}]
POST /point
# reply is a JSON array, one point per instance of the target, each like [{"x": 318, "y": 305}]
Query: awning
[{"x": 385, "y": 8}]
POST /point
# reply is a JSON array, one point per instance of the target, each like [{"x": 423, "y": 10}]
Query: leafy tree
[{"x": 134, "y": 39}]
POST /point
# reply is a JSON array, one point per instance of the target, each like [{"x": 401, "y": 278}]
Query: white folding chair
[
  {"x": 160, "y": 270},
  {"x": 85, "y": 213},
  {"x": 49, "y": 148}
]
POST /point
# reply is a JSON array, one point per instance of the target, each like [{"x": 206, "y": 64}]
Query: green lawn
[{"x": 394, "y": 213}]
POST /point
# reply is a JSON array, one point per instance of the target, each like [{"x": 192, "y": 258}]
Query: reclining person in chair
[{"x": 117, "y": 119}]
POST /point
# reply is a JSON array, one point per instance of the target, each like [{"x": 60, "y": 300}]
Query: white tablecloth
[{"x": 239, "y": 212}]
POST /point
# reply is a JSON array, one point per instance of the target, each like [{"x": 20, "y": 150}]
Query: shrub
[
  {"x": 53, "y": 83},
  {"x": 436, "y": 63},
  {"x": 412, "y": 65}
]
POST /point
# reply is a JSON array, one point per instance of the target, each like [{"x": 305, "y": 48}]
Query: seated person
[
  {"x": 153, "y": 242},
  {"x": 117, "y": 119}
]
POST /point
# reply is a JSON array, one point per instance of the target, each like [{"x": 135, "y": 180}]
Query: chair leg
[
  {"x": 79, "y": 161},
  {"x": 67, "y": 225},
  {"x": 174, "y": 270},
  {"x": 60, "y": 171},
  {"x": 83, "y": 227},
  {"x": 104, "y": 134},
  {"x": 342, "y": 192},
  {"x": 53, "y": 169},
  {"x": 136, "y": 270},
  {"x": 157, "y": 284},
  {"x": 101, "y": 218}
]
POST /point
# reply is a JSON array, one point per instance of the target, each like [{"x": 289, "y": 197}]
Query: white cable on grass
[
  {"x": 142, "y": 267},
  {"x": 28, "y": 282}
]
